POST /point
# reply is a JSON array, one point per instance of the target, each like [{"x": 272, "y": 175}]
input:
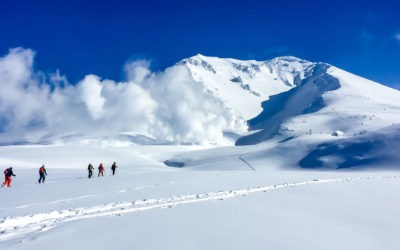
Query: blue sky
[{"x": 98, "y": 37}]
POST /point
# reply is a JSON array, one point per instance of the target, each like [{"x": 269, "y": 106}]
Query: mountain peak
[
  {"x": 289, "y": 59},
  {"x": 253, "y": 81},
  {"x": 287, "y": 69}
]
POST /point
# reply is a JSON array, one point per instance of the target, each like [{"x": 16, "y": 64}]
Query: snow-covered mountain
[
  {"x": 289, "y": 97},
  {"x": 243, "y": 85}
]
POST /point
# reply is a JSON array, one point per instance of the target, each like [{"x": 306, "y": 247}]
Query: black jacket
[{"x": 9, "y": 172}]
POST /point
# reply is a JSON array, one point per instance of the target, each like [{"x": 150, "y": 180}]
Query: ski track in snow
[{"x": 18, "y": 226}]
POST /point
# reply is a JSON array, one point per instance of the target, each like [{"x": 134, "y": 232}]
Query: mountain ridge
[
  {"x": 297, "y": 89},
  {"x": 226, "y": 77}
]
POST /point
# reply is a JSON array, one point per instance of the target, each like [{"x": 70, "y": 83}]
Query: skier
[
  {"x": 42, "y": 174},
  {"x": 8, "y": 173},
  {"x": 101, "y": 170},
  {"x": 114, "y": 167},
  {"x": 90, "y": 168}
]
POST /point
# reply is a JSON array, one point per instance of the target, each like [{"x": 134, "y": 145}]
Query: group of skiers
[
  {"x": 101, "y": 169},
  {"x": 42, "y": 173}
]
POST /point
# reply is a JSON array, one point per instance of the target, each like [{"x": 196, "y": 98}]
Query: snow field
[
  {"x": 329, "y": 213},
  {"x": 216, "y": 201},
  {"x": 16, "y": 226}
]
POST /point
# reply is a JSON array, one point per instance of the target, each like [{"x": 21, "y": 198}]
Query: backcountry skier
[
  {"x": 114, "y": 167},
  {"x": 101, "y": 170},
  {"x": 42, "y": 174},
  {"x": 8, "y": 173},
  {"x": 90, "y": 169}
]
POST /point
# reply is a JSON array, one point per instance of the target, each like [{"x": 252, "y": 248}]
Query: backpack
[
  {"x": 6, "y": 171},
  {"x": 41, "y": 170}
]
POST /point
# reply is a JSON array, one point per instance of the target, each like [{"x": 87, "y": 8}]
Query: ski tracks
[{"x": 13, "y": 227}]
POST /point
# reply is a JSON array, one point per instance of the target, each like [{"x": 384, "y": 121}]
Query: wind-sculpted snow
[{"x": 20, "y": 226}]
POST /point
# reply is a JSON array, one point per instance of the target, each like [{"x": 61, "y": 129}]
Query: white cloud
[
  {"x": 90, "y": 93},
  {"x": 168, "y": 106},
  {"x": 137, "y": 71},
  {"x": 22, "y": 95}
]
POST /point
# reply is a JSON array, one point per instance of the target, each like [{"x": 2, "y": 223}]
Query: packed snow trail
[{"x": 13, "y": 227}]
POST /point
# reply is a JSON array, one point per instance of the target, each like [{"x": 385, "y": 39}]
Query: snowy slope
[
  {"x": 354, "y": 118},
  {"x": 378, "y": 148},
  {"x": 289, "y": 97},
  {"x": 329, "y": 102},
  {"x": 243, "y": 85}
]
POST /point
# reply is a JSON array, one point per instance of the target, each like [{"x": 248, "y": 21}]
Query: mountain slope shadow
[
  {"x": 373, "y": 148},
  {"x": 304, "y": 99},
  {"x": 341, "y": 156}
]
